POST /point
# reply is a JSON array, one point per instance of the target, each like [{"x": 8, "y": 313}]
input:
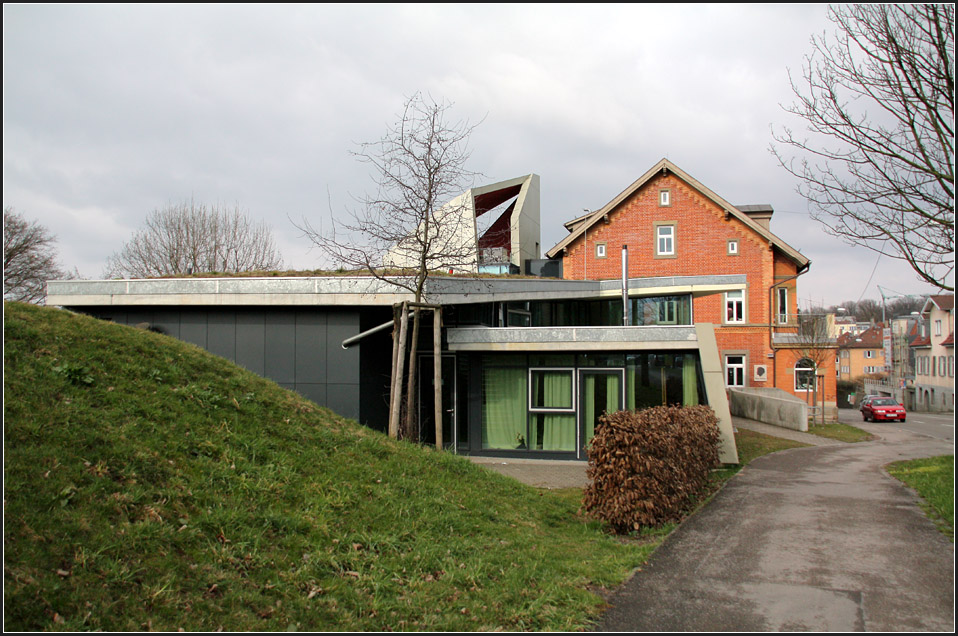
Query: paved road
[{"x": 810, "y": 539}]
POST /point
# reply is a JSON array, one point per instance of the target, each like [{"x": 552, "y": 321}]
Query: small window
[
  {"x": 782, "y": 305},
  {"x": 869, "y": 354},
  {"x": 733, "y": 247},
  {"x": 735, "y": 370},
  {"x": 937, "y": 327},
  {"x": 665, "y": 240},
  {"x": 735, "y": 306},
  {"x": 551, "y": 390},
  {"x": 805, "y": 375},
  {"x": 600, "y": 250},
  {"x": 665, "y": 198}
]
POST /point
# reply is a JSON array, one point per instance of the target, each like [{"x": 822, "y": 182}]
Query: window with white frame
[
  {"x": 600, "y": 250},
  {"x": 869, "y": 353},
  {"x": 804, "y": 375},
  {"x": 665, "y": 240},
  {"x": 665, "y": 198},
  {"x": 937, "y": 327},
  {"x": 732, "y": 247},
  {"x": 735, "y": 370},
  {"x": 735, "y": 306},
  {"x": 782, "y": 305}
]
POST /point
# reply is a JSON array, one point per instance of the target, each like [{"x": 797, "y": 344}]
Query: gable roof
[
  {"x": 868, "y": 339},
  {"x": 580, "y": 225},
  {"x": 944, "y": 302}
]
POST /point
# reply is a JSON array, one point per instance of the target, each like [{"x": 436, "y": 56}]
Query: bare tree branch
[
  {"x": 413, "y": 223},
  {"x": 190, "y": 238},
  {"x": 29, "y": 259},
  {"x": 878, "y": 101}
]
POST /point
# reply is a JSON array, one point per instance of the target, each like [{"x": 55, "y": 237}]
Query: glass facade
[
  {"x": 552, "y": 402},
  {"x": 647, "y": 311}
]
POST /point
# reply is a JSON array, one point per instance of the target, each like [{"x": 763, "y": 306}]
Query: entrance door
[
  {"x": 427, "y": 408},
  {"x": 600, "y": 391}
]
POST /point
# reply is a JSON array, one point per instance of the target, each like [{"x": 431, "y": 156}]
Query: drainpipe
[
  {"x": 625, "y": 286},
  {"x": 771, "y": 316}
]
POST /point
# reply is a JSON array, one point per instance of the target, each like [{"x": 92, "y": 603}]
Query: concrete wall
[{"x": 772, "y": 406}]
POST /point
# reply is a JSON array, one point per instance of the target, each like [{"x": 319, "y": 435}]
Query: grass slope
[{"x": 150, "y": 485}]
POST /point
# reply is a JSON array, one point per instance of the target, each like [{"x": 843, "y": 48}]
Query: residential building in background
[
  {"x": 934, "y": 356},
  {"x": 861, "y": 354}
]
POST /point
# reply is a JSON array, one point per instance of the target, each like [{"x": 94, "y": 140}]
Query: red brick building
[{"x": 675, "y": 226}]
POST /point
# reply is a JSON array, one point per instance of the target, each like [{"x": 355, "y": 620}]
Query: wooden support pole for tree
[
  {"x": 399, "y": 358},
  {"x": 437, "y": 372}
]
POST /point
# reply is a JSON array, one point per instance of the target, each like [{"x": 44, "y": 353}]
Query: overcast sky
[{"x": 112, "y": 111}]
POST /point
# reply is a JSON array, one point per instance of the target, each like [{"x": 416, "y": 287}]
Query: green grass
[
  {"x": 840, "y": 432},
  {"x": 150, "y": 485},
  {"x": 934, "y": 481}
]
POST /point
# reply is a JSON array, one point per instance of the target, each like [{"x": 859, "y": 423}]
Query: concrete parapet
[{"x": 772, "y": 406}]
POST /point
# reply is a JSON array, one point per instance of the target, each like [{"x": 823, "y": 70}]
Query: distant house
[
  {"x": 934, "y": 353},
  {"x": 673, "y": 225},
  {"x": 861, "y": 354}
]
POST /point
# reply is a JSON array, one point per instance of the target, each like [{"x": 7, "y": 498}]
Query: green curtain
[
  {"x": 504, "y": 408},
  {"x": 553, "y": 389},
  {"x": 690, "y": 381},
  {"x": 559, "y": 432},
  {"x": 592, "y": 407}
]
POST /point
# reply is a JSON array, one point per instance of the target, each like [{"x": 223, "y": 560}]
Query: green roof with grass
[{"x": 151, "y": 485}]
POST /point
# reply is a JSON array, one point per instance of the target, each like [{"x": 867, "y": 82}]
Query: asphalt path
[{"x": 809, "y": 539}]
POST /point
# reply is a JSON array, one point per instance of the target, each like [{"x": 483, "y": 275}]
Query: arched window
[{"x": 804, "y": 375}]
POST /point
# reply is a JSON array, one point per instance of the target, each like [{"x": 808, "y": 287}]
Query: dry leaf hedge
[{"x": 645, "y": 467}]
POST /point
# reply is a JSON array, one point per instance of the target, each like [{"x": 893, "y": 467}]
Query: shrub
[{"x": 645, "y": 467}]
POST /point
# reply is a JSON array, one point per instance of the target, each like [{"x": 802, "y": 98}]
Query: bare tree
[
  {"x": 413, "y": 224},
  {"x": 192, "y": 238},
  {"x": 880, "y": 102},
  {"x": 29, "y": 258}
]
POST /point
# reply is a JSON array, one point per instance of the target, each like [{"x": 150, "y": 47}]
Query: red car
[{"x": 882, "y": 408}]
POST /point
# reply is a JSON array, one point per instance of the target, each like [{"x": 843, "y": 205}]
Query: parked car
[{"x": 881, "y": 409}]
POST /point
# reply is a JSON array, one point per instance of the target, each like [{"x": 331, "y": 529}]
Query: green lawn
[
  {"x": 152, "y": 486},
  {"x": 934, "y": 480},
  {"x": 840, "y": 432}
]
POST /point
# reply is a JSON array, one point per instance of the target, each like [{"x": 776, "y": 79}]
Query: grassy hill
[{"x": 151, "y": 485}]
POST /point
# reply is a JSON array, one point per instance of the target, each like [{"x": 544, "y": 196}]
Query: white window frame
[
  {"x": 738, "y": 317},
  {"x": 732, "y": 247},
  {"x": 869, "y": 353},
  {"x": 738, "y": 367},
  {"x": 782, "y": 305},
  {"x": 937, "y": 327},
  {"x": 601, "y": 250},
  {"x": 665, "y": 198},
  {"x": 668, "y": 237},
  {"x": 797, "y": 368},
  {"x": 544, "y": 409}
]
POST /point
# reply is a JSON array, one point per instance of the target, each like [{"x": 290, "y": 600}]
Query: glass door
[
  {"x": 427, "y": 408},
  {"x": 600, "y": 391}
]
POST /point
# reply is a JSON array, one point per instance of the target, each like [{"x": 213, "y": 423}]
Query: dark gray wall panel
[
  {"x": 343, "y": 364},
  {"x": 310, "y": 347},
  {"x": 318, "y": 393},
  {"x": 281, "y": 346},
  {"x": 222, "y": 333},
  {"x": 251, "y": 341},
  {"x": 343, "y": 399},
  {"x": 166, "y": 320},
  {"x": 193, "y": 328}
]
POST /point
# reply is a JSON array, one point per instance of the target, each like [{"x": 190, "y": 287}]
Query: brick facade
[{"x": 708, "y": 239}]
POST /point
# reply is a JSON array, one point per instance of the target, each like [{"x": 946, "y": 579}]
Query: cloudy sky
[{"x": 112, "y": 111}]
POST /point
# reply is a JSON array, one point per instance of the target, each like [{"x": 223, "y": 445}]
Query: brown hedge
[{"x": 645, "y": 467}]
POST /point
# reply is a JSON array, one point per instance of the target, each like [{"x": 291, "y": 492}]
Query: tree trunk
[{"x": 411, "y": 428}]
